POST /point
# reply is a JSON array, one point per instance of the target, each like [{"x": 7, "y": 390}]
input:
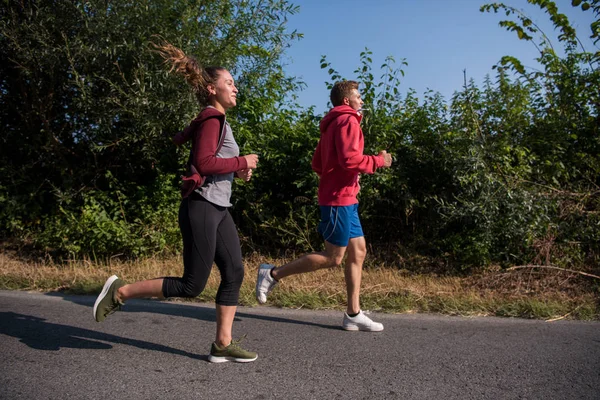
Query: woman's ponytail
[{"x": 187, "y": 66}]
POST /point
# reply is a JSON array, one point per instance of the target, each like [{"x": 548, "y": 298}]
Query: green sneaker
[
  {"x": 107, "y": 303},
  {"x": 233, "y": 352}
]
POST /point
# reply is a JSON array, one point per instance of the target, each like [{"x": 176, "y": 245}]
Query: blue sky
[{"x": 438, "y": 38}]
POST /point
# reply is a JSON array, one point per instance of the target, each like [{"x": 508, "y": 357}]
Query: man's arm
[
  {"x": 350, "y": 155},
  {"x": 317, "y": 165}
]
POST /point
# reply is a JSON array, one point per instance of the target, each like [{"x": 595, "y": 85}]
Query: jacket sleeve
[
  {"x": 349, "y": 145},
  {"x": 184, "y": 135},
  {"x": 316, "y": 160},
  {"x": 205, "y": 146}
]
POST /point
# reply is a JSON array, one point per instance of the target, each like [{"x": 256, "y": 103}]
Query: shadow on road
[
  {"x": 183, "y": 310},
  {"x": 41, "y": 335}
]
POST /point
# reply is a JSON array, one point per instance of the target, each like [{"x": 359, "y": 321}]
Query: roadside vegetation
[
  {"x": 526, "y": 293},
  {"x": 492, "y": 206}
]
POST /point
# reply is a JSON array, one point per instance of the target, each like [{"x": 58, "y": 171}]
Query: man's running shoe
[
  {"x": 264, "y": 282},
  {"x": 360, "y": 323}
]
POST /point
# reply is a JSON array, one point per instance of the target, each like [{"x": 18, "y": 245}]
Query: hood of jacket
[
  {"x": 208, "y": 112},
  {"x": 336, "y": 112}
]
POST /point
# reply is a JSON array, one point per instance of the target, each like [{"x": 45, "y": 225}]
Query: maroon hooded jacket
[{"x": 206, "y": 131}]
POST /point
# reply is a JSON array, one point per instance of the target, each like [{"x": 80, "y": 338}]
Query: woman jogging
[{"x": 208, "y": 231}]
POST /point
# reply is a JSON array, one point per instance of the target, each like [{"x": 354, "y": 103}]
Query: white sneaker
[
  {"x": 264, "y": 282},
  {"x": 360, "y": 323}
]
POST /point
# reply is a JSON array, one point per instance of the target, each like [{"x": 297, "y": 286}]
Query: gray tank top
[{"x": 217, "y": 188}]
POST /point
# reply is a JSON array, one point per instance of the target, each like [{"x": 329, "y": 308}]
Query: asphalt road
[{"x": 51, "y": 348}]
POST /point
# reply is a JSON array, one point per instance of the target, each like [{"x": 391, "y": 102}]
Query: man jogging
[{"x": 338, "y": 160}]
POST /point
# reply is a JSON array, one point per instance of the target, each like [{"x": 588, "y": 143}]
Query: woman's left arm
[{"x": 205, "y": 146}]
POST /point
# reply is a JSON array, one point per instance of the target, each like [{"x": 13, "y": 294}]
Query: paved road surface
[{"x": 51, "y": 348}]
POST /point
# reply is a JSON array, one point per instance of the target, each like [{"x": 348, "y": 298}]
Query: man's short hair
[{"x": 341, "y": 90}]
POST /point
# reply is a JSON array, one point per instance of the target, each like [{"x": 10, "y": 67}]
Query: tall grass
[{"x": 527, "y": 294}]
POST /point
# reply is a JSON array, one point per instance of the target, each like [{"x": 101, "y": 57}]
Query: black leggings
[{"x": 209, "y": 234}]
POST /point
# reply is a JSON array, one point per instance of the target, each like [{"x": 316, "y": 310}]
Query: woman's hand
[
  {"x": 251, "y": 160},
  {"x": 244, "y": 174}
]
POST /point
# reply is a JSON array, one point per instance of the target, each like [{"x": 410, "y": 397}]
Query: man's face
[{"x": 354, "y": 100}]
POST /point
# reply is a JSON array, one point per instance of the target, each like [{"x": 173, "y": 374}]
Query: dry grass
[{"x": 524, "y": 293}]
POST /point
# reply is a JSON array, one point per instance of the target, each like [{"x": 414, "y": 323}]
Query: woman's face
[{"x": 223, "y": 92}]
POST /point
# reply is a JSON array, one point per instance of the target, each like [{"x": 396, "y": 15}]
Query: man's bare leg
[
  {"x": 332, "y": 256},
  {"x": 357, "y": 251}
]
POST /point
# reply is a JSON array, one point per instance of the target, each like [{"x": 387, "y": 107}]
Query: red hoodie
[
  {"x": 339, "y": 157},
  {"x": 205, "y": 131}
]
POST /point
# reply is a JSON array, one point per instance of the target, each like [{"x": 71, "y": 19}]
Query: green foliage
[
  {"x": 507, "y": 173},
  {"x": 274, "y": 208},
  {"x": 87, "y": 109},
  {"x": 107, "y": 225}
]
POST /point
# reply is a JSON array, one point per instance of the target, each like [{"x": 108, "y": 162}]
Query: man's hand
[
  {"x": 244, "y": 174},
  {"x": 387, "y": 158}
]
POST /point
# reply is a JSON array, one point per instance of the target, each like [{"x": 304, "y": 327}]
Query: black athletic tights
[{"x": 209, "y": 234}]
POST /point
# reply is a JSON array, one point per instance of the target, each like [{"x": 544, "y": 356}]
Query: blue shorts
[{"x": 339, "y": 224}]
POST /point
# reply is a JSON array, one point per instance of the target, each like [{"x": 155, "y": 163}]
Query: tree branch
[{"x": 553, "y": 267}]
